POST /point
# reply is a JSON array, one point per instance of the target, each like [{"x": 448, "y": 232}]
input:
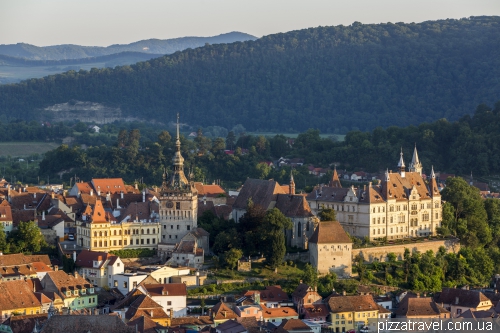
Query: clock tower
[{"x": 178, "y": 201}]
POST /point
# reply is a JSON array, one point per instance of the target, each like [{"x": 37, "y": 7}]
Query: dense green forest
[
  {"x": 334, "y": 79},
  {"x": 469, "y": 144}
]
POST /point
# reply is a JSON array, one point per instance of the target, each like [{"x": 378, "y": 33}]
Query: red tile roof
[
  {"x": 329, "y": 232},
  {"x": 166, "y": 289}
]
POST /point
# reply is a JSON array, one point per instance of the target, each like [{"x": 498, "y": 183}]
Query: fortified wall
[{"x": 379, "y": 253}]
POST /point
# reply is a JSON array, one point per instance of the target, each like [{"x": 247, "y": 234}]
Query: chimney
[
  {"x": 34, "y": 194},
  {"x": 43, "y": 216},
  {"x": 19, "y": 189},
  {"x": 53, "y": 195},
  {"x": 74, "y": 256},
  {"x": 136, "y": 186},
  {"x": 456, "y": 300},
  {"x": 118, "y": 202},
  {"x": 56, "y": 268},
  {"x": 91, "y": 192},
  {"x": 343, "y": 293},
  {"x": 143, "y": 195},
  {"x": 121, "y": 195}
]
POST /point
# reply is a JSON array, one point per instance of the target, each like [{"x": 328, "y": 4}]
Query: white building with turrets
[{"x": 402, "y": 205}]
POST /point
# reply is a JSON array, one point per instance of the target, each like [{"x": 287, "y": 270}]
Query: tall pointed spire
[
  {"x": 178, "y": 181},
  {"x": 433, "y": 184},
  {"x": 292, "y": 183},
  {"x": 335, "y": 182},
  {"x": 415, "y": 165},
  {"x": 401, "y": 164}
]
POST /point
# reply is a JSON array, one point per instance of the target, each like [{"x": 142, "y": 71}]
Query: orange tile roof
[
  {"x": 105, "y": 185},
  {"x": 17, "y": 295},
  {"x": 209, "y": 190},
  {"x": 329, "y": 232},
  {"x": 284, "y": 311}
]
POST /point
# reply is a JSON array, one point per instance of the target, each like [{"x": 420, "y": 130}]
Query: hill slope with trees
[{"x": 335, "y": 79}]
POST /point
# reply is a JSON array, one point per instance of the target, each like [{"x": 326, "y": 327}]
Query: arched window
[
  {"x": 100, "y": 233},
  {"x": 114, "y": 231},
  {"x": 299, "y": 230},
  {"x": 95, "y": 233},
  {"x": 105, "y": 234},
  {"x": 307, "y": 226},
  {"x": 142, "y": 231},
  {"x": 147, "y": 231},
  {"x": 120, "y": 232}
]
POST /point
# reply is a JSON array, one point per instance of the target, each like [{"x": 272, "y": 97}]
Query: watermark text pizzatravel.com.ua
[{"x": 436, "y": 326}]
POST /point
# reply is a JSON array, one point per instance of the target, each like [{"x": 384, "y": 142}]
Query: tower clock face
[
  {"x": 169, "y": 204},
  {"x": 176, "y": 183}
]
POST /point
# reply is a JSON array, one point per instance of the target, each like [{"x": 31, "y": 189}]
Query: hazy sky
[{"x": 105, "y": 22}]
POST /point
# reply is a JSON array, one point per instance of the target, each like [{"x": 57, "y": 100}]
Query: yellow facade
[
  {"x": 105, "y": 236},
  {"x": 21, "y": 311},
  {"x": 345, "y": 321}
]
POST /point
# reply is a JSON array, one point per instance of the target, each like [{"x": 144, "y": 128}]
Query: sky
[{"x": 106, "y": 22}]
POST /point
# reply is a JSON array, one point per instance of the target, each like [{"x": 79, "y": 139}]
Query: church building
[{"x": 402, "y": 205}]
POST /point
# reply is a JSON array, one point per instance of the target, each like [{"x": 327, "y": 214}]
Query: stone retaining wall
[{"x": 379, "y": 253}]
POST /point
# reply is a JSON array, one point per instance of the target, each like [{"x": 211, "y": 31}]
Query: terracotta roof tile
[
  {"x": 414, "y": 307},
  {"x": 262, "y": 193},
  {"x": 352, "y": 303},
  {"x": 94, "y": 324},
  {"x": 221, "y": 311},
  {"x": 166, "y": 289},
  {"x": 17, "y": 295},
  {"x": 329, "y": 232},
  {"x": 465, "y": 298}
]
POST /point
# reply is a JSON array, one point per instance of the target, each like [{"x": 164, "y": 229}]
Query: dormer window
[
  {"x": 68, "y": 293},
  {"x": 84, "y": 291},
  {"x": 91, "y": 290},
  {"x": 75, "y": 292}
]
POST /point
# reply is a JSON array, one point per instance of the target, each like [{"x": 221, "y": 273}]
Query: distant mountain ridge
[{"x": 152, "y": 46}]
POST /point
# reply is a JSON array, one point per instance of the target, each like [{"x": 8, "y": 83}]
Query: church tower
[
  {"x": 415, "y": 165},
  {"x": 178, "y": 200},
  {"x": 335, "y": 181},
  {"x": 292, "y": 184}
]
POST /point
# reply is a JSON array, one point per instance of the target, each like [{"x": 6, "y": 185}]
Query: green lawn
[{"x": 22, "y": 149}]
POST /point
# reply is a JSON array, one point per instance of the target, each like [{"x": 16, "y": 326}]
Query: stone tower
[{"x": 178, "y": 200}]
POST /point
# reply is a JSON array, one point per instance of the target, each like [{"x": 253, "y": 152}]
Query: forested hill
[{"x": 331, "y": 78}]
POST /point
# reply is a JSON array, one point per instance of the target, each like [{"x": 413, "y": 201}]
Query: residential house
[
  {"x": 457, "y": 301},
  {"x": 270, "y": 297},
  {"x": 231, "y": 326},
  {"x": 126, "y": 282},
  {"x": 315, "y": 312},
  {"x": 330, "y": 249},
  {"x": 145, "y": 306},
  {"x": 99, "y": 267},
  {"x": 212, "y": 192},
  {"x": 277, "y": 315},
  {"x": 188, "y": 251},
  {"x": 164, "y": 274},
  {"x": 221, "y": 313},
  {"x": 17, "y": 298},
  {"x": 76, "y": 292},
  {"x": 19, "y": 266},
  {"x": 6, "y": 217},
  {"x": 293, "y": 326},
  {"x": 305, "y": 295},
  {"x": 171, "y": 296},
  {"x": 420, "y": 307},
  {"x": 250, "y": 310},
  {"x": 351, "y": 312},
  {"x": 402, "y": 206}
]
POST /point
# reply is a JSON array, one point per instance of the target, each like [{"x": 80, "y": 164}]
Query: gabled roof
[
  {"x": 293, "y": 205},
  {"x": 329, "y": 232},
  {"x": 209, "y": 190},
  {"x": 316, "y": 310},
  {"x": 25, "y": 324},
  {"x": 461, "y": 297},
  {"x": 293, "y": 324},
  {"x": 352, "y": 303},
  {"x": 17, "y": 295},
  {"x": 86, "y": 258},
  {"x": 262, "y": 193},
  {"x": 415, "y": 306},
  {"x": 166, "y": 289},
  {"x": 98, "y": 215},
  {"x": 283, "y": 311},
  {"x": 231, "y": 326},
  {"x": 198, "y": 321},
  {"x": 145, "y": 324},
  {"x": 221, "y": 311},
  {"x": 5, "y": 212},
  {"x": 301, "y": 290},
  {"x": 145, "y": 306},
  {"x": 112, "y": 185}
]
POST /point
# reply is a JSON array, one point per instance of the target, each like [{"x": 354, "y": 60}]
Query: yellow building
[
  {"x": 17, "y": 298},
  {"x": 351, "y": 312},
  {"x": 99, "y": 230}
]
